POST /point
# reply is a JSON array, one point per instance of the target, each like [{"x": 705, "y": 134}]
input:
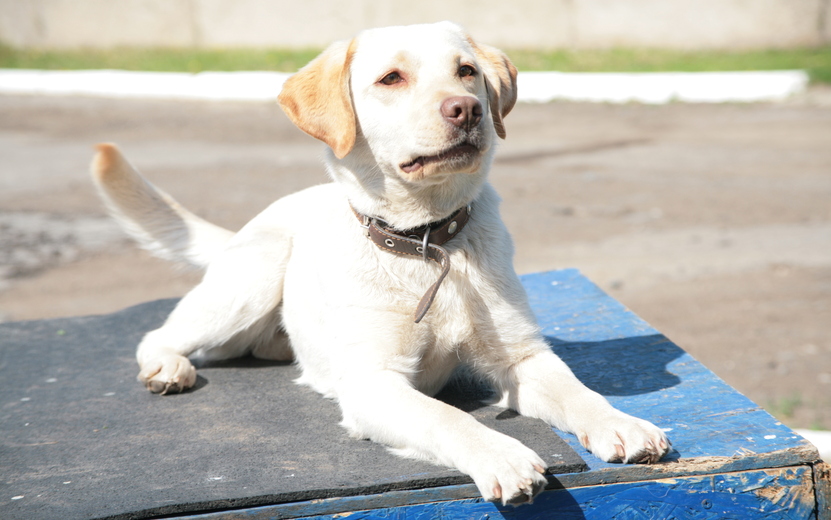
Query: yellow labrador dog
[{"x": 383, "y": 282}]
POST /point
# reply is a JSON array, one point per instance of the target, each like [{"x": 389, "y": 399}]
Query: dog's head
[{"x": 423, "y": 100}]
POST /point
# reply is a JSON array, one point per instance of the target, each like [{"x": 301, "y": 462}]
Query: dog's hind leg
[
  {"x": 232, "y": 311},
  {"x": 274, "y": 347}
]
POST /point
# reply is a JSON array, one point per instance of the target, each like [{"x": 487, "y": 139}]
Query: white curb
[
  {"x": 534, "y": 87},
  {"x": 820, "y": 439},
  {"x": 662, "y": 87},
  {"x": 226, "y": 86}
]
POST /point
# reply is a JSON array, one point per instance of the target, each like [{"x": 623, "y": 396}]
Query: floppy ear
[
  {"x": 500, "y": 80},
  {"x": 317, "y": 99}
]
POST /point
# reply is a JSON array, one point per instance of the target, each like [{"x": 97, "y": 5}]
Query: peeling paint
[
  {"x": 822, "y": 490},
  {"x": 790, "y": 487},
  {"x": 772, "y": 493},
  {"x": 775, "y": 494}
]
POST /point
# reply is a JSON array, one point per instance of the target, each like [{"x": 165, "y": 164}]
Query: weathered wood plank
[
  {"x": 822, "y": 489},
  {"x": 641, "y": 372},
  {"x": 775, "y": 494}
]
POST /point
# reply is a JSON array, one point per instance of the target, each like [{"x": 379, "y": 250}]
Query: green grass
[
  {"x": 156, "y": 59},
  {"x": 817, "y": 61},
  {"x": 784, "y": 408}
]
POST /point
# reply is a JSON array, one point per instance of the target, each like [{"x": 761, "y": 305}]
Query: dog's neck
[{"x": 400, "y": 203}]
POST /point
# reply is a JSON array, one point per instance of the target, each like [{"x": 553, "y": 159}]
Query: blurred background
[
  {"x": 711, "y": 221},
  {"x": 582, "y": 24}
]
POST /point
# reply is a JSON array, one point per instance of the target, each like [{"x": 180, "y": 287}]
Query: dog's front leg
[
  {"x": 542, "y": 386},
  {"x": 230, "y": 309},
  {"x": 384, "y": 407}
]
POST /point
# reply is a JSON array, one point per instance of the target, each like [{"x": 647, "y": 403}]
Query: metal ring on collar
[{"x": 425, "y": 243}]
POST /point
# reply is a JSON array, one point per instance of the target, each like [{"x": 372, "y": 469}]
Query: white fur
[{"x": 302, "y": 279}]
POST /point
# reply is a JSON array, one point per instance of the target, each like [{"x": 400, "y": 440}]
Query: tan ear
[
  {"x": 500, "y": 79},
  {"x": 317, "y": 99}
]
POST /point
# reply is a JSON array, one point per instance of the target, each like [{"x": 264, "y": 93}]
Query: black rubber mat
[{"x": 81, "y": 438}]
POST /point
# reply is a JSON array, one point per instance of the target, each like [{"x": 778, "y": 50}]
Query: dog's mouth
[{"x": 461, "y": 153}]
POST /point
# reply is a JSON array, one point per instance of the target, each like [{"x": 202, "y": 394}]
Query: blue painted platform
[{"x": 730, "y": 458}]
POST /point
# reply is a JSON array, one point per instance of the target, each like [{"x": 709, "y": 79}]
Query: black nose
[{"x": 463, "y": 111}]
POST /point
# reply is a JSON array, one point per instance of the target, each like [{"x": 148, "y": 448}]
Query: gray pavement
[{"x": 713, "y": 222}]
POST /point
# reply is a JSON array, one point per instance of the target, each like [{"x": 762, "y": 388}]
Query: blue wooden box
[{"x": 730, "y": 458}]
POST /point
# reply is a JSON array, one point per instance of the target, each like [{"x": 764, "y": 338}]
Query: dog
[{"x": 382, "y": 283}]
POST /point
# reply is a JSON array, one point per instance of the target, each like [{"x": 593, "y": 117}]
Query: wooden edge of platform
[
  {"x": 804, "y": 455},
  {"x": 822, "y": 488}
]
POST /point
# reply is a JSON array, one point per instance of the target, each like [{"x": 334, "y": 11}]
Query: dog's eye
[
  {"x": 466, "y": 71},
  {"x": 392, "y": 78}
]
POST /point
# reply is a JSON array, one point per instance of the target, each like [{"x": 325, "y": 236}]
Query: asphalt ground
[{"x": 712, "y": 222}]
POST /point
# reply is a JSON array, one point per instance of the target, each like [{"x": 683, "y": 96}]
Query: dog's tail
[{"x": 150, "y": 216}]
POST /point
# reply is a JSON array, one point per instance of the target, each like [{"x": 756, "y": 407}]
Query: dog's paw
[
  {"x": 168, "y": 374},
  {"x": 623, "y": 438},
  {"x": 507, "y": 471}
]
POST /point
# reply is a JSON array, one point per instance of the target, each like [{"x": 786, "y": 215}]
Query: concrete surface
[
  {"x": 712, "y": 222},
  {"x": 680, "y": 24}
]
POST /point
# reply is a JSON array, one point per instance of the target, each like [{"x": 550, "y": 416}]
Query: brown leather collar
[{"x": 424, "y": 242}]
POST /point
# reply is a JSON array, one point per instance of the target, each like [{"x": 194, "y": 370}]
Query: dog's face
[{"x": 423, "y": 100}]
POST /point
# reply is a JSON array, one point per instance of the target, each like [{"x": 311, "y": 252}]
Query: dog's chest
[
  {"x": 454, "y": 329},
  {"x": 459, "y": 312},
  {"x": 453, "y": 315}
]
